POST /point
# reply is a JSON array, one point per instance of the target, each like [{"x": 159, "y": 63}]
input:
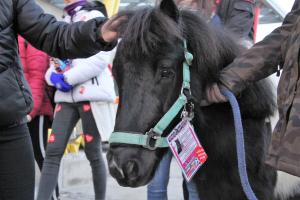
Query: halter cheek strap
[{"x": 153, "y": 138}]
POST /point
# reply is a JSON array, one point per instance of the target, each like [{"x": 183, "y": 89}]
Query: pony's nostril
[
  {"x": 114, "y": 169},
  {"x": 109, "y": 156},
  {"x": 131, "y": 169},
  {"x": 116, "y": 172}
]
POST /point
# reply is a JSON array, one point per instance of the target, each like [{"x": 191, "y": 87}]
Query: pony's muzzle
[
  {"x": 125, "y": 173},
  {"x": 114, "y": 169}
]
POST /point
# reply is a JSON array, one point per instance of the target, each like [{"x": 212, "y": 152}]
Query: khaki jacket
[{"x": 281, "y": 48}]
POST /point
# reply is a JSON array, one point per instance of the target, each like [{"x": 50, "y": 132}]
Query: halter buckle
[{"x": 151, "y": 140}]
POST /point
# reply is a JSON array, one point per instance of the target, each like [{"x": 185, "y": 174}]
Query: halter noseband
[{"x": 153, "y": 138}]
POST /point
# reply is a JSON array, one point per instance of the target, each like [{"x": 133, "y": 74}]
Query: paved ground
[{"x": 76, "y": 184}]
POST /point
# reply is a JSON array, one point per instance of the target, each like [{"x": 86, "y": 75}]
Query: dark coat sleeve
[
  {"x": 262, "y": 59},
  {"x": 58, "y": 39}
]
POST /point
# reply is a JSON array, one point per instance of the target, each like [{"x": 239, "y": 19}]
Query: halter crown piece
[{"x": 153, "y": 138}]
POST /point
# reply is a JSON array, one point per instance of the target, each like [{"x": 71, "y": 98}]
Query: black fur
[
  {"x": 152, "y": 42},
  {"x": 294, "y": 198}
]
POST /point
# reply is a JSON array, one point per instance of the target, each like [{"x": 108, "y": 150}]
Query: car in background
[{"x": 271, "y": 16}]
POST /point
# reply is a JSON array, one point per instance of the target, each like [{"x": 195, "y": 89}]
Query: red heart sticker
[
  {"x": 51, "y": 138},
  {"x": 88, "y": 138},
  {"x": 58, "y": 108},
  {"x": 86, "y": 107},
  {"x": 110, "y": 68},
  {"x": 82, "y": 89}
]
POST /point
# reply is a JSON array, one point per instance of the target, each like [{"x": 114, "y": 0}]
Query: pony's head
[{"x": 148, "y": 71}]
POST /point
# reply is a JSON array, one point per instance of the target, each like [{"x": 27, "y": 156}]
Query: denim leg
[
  {"x": 192, "y": 189},
  {"x": 157, "y": 188}
]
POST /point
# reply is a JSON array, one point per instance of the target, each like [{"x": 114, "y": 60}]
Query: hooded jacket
[
  {"x": 90, "y": 77},
  {"x": 35, "y": 64}
]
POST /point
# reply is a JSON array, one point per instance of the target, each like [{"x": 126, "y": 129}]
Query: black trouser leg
[{"x": 16, "y": 164}]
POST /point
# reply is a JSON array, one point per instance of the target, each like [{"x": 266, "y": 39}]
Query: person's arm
[
  {"x": 262, "y": 59},
  {"x": 59, "y": 39},
  {"x": 86, "y": 69},
  {"x": 37, "y": 63}
]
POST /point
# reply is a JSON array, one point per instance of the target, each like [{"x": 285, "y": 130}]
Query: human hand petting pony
[{"x": 110, "y": 29}]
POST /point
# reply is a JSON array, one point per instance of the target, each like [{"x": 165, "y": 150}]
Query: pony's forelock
[{"x": 147, "y": 29}]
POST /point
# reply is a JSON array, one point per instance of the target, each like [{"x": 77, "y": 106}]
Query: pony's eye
[{"x": 166, "y": 73}]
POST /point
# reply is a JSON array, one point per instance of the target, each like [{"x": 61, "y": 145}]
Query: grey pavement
[{"x": 76, "y": 182}]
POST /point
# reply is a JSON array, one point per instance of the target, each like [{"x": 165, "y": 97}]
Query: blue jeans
[
  {"x": 192, "y": 190},
  {"x": 157, "y": 189}
]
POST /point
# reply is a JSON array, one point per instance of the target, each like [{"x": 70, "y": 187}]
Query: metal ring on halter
[
  {"x": 152, "y": 138},
  {"x": 186, "y": 91}
]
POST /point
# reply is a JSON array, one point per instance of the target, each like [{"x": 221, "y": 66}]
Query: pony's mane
[
  {"x": 148, "y": 30},
  {"x": 143, "y": 30}
]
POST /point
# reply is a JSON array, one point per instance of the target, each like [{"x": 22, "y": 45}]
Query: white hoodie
[{"x": 91, "y": 77}]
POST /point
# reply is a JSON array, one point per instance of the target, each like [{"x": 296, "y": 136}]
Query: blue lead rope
[{"x": 240, "y": 145}]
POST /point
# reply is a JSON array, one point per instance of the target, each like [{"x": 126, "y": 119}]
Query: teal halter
[{"x": 153, "y": 139}]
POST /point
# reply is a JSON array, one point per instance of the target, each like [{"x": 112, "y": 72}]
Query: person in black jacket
[
  {"x": 58, "y": 39},
  {"x": 237, "y": 16}
]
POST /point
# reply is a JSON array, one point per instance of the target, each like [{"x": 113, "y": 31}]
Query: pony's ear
[{"x": 169, "y": 8}]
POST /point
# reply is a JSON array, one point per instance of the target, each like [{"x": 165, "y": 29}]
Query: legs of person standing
[
  {"x": 16, "y": 164},
  {"x": 157, "y": 189},
  {"x": 185, "y": 190},
  {"x": 93, "y": 150},
  {"x": 192, "y": 190},
  {"x": 38, "y": 129},
  {"x": 66, "y": 117}
]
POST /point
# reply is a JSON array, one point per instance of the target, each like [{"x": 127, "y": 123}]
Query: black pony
[{"x": 148, "y": 71}]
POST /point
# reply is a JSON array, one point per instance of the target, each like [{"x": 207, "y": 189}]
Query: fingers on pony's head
[{"x": 118, "y": 23}]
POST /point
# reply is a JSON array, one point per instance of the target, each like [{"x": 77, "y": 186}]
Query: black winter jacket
[
  {"x": 58, "y": 39},
  {"x": 238, "y": 16}
]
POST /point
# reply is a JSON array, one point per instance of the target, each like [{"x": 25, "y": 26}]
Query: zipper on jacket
[
  {"x": 21, "y": 85},
  {"x": 278, "y": 71},
  {"x": 95, "y": 79}
]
